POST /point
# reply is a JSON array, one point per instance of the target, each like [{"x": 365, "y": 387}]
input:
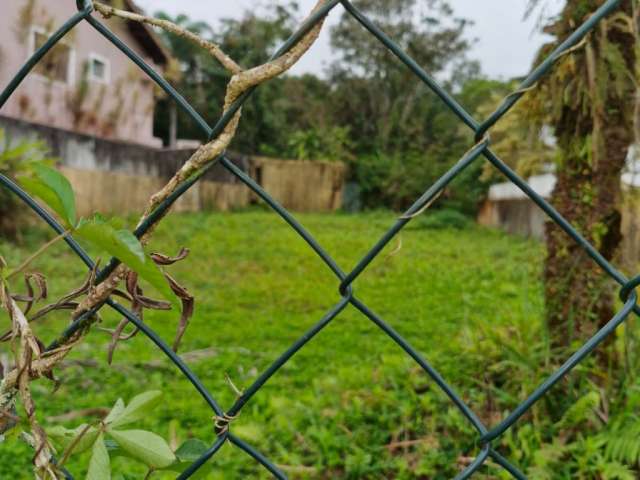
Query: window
[
  {"x": 98, "y": 68},
  {"x": 57, "y": 63}
]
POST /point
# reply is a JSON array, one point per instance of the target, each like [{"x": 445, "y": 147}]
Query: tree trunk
[{"x": 593, "y": 146}]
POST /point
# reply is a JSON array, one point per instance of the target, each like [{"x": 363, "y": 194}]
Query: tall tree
[
  {"x": 588, "y": 99},
  {"x": 250, "y": 41},
  {"x": 404, "y": 135},
  {"x": 195, "y": 73},
  {"x": 388, "y": 107},
  {"x": 369, "y": 110}
]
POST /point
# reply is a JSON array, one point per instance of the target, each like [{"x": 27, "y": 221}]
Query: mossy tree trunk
[{"x": 592, "y": 93}]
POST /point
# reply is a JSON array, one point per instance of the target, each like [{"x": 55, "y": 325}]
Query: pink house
[{"x": 85, "y": 84}]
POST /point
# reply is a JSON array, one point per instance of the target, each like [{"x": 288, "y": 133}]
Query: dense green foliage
[
  {"x": 590, "y": 100},
  {"x": 350, "y": 404},
  {"x": 15, "y": 154},
  {"x": 55, "y": 191},
  {"x": 366, "y": 110}
]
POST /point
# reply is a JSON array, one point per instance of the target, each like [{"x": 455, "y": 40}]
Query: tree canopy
[{"x": 367, "y": 109}]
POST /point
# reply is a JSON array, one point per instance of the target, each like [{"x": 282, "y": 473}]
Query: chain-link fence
[{"x": 223, "y": 417}]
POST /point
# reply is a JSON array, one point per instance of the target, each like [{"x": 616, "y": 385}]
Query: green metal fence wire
[{"x": 222, "y": 430}]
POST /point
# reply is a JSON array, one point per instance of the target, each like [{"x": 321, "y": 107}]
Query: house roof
[{"x": 145, "y": 35}]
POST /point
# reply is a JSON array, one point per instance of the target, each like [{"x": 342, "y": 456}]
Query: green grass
[{"x": 350, "y": 404}]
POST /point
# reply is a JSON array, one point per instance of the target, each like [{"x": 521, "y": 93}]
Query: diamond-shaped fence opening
[{"x": 345, "y": 292}]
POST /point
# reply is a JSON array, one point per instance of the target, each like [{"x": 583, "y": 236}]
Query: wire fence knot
[
  {"x": 222, "y": 422},
  {"x": 628, "y": 287}
]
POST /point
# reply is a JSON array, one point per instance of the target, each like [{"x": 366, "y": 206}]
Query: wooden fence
[
  {"x": 301, "y": 186},
  {"x": 134, "y": 172},
  {"x": 297, "y": 185}
]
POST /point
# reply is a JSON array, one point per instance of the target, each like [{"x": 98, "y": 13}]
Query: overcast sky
[{"x": 506, "y": 44}]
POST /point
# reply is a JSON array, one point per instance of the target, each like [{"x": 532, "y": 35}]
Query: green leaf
[
  {"x": 116, "y": 450},
  {"x": 137, "y": 408},
  {"x": 115, "y": 412},
  {"x": 129, "y": 240},
  {"x": 63, "y": 437},
  {"x": 99, "y": 465},
  {"x": 123, "y": 245},
  {"x": 581, "y": 410},
  {"x": 26, "y": 152},
  {"x": 37, "y": 189},
  {"x": 145, "y": 446},
  {"x": 55, "y": 190},
  {"x": 20, "y": 151},
  {"x": 191, "y": 450}
]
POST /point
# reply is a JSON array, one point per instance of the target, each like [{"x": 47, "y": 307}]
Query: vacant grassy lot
[{"x": 349, "y": 405}]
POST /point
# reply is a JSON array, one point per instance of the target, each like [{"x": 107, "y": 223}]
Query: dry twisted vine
[
  {"x": 28, "y": 350},
  {"x": 215, "y": 51},
  {"x": 241, "y": 81}
]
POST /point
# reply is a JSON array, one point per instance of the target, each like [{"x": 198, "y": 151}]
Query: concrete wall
[
  {"x": 516, "y": 216},
  {"x": 119, "y": 108},
  {"x": 523, "y": 217},
  {"x": 121, "y": 193},
  {"x": 630, "y": 248},
  {"x": 119, "y": 177}
]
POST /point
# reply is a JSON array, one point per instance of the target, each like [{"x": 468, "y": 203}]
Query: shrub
[
  {"x": 444, "y": 218},
  {"x": 396, "y": 181},
  {"x": 14, "y": 157},
  {"x": 327, "y": 144}
]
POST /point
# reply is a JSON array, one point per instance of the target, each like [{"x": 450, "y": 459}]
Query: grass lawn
[{"x": 351, "y": 404}]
